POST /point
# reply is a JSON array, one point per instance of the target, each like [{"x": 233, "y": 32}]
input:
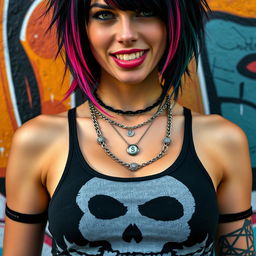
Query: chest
[
  {"x": 173, "y": 210},
  {"x": 150, "y": 146}
]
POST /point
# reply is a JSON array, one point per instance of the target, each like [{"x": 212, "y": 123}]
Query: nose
[{"x": 126, "y": 33}]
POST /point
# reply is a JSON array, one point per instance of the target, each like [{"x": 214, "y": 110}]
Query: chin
[
  {"x": 131, "y": 78},
  {"x": 132, "y": 81}
]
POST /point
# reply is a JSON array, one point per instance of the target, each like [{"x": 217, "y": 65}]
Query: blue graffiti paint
[{"x": 229, "y": 63}]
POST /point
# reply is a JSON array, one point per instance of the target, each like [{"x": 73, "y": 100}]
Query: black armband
[
  {"x": 223, "y": 218},
  {"x": 26, "y": 218}
]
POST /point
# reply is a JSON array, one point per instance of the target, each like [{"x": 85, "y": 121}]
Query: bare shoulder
[
  {"x": 40, "y": 131},
  {"x": 216, "y": 132},
  {"x": 221, "y": 130},
  {"x": 31, "y": 153},
  {"x": 34, "y": 141},
  {"x": 226, "y": 141}
]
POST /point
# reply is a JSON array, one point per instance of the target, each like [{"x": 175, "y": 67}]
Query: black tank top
[{"x": 170, "y": 213}]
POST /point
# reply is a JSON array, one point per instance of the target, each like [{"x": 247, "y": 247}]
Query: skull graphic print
[{"x": 136, "y": 217}]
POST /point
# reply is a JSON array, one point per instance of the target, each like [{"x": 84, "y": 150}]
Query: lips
[
  {"x": 129, "y": 58},
  {"x": 128, "y": 51}
]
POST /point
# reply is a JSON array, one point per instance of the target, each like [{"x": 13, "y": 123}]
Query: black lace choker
[{"x": 129, "y": 112}]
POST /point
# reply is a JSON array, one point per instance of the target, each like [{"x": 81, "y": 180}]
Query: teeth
[
  {"x": 132, "y": 56},
  {"x": 126, "y": 57}
]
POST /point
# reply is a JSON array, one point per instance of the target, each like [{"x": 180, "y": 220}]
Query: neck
[{"x": 129, "y": 96}]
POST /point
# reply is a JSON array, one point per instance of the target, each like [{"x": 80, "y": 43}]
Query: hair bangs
[
  {"x": 184, "y": 22},
  {"x": 137, "y": 5}
]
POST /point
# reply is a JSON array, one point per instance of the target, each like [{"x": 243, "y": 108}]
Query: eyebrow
[{"x": 104, "y": 6}]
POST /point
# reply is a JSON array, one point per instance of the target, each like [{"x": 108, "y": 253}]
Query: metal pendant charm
[
  {"x": 101, "y": 140},
  {"x": 134, "y": 167},
  {"x": 130, "y": 133},
  {"x": 167, "y": 141},
  {"x": 133, "y": 150}
]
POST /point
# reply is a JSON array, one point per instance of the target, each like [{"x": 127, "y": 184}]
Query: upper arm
[
  {"x": 25, "y": 192},
  {"x": 234, "y": 191}
]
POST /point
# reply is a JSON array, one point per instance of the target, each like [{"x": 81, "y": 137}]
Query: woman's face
[{"x": 126, "y": 44}]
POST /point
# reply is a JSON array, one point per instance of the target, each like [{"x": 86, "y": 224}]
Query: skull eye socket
[
  {"x": 163, "y": 208},
  {"x": 106, "y": 207}
]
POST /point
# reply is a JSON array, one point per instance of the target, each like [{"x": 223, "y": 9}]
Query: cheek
[
  {"x": 156, "y": 35},
  {"x": 98, "y": 38}
]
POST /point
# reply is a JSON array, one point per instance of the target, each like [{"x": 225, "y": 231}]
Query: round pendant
[
  {"x": 101, "y": 140},
  {"x": 167, "y": 141},
  {"x": 134, "y": 167},
  {"x": 133, "y": 150},
  {"x": 130, "y": 133}
]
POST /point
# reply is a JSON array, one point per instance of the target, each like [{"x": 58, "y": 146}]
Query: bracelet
[
  {"x": 26, "y": 218},
  {"x": 224, "y": 218}
]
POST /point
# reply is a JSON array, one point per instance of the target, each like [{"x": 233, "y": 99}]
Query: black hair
[{"x": 184, "y": 21}]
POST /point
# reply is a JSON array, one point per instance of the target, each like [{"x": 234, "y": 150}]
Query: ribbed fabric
[{"x": 170, "y": 213}]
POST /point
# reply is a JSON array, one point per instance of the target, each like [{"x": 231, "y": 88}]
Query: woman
[{"x": 130, "y": 171}]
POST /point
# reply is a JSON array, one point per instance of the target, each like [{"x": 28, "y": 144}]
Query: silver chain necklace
[
  {"x": 132, "y": 166},
  {"x": 130, "y": 129},
  {"x": 132, "y": 149}
]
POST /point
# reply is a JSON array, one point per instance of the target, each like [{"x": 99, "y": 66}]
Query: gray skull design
[{"x": 136, "y": 216}]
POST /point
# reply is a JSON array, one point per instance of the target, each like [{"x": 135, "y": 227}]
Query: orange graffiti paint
[{"x": 237, "y": 7}]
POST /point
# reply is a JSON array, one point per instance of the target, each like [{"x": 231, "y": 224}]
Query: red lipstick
[{"x": 128, "y": 64}]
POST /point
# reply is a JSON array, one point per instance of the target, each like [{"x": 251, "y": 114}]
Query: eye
[
  {"x": 106, "y": 208},
  {"x": 146, "y": 14},
  {"x": 103, "y": 15}
]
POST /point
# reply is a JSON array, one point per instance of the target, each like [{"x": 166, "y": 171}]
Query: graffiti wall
[
  {"x": 228, "y": 69},
  {"x": 31, "y": 77},
  {"x": 229, "y": 64}
]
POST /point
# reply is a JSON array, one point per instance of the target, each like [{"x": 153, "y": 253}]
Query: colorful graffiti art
[
  {"x": 228, "y": 71},
  {"x": 31, "y": 78},
  {"x": 29, "y": 84},
  {"x": 230, "y": 67}
]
